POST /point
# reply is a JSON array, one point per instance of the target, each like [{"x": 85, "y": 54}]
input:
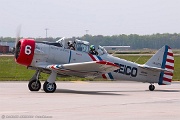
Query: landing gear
[
  {"x": 151, "y": 87},
  {"x": 34, "y": 83},
  {"x": 49, "y": 87}
]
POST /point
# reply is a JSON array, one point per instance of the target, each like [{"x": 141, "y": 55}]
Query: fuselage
[{"x": 46, "y": 53}]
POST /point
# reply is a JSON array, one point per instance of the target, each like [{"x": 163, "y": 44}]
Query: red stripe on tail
[
  {"x": 170, "y": 54},
  {"x": 169, "y": 60},
  {"x": 169, "y": 67},
  {"x": 170, "y": 74},
  {"x": 167, "y": 79}
]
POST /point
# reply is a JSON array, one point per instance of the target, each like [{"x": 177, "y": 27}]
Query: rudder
[{"x": 168, "y": 64}]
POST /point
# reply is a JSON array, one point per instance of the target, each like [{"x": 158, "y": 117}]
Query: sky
[{"x": 71, "y": 18}]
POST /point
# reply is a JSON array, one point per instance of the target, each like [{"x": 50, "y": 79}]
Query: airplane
[{"x": 56, "y": 59}]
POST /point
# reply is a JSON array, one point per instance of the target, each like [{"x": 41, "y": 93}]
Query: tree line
[{"x": 154, "y": 41}]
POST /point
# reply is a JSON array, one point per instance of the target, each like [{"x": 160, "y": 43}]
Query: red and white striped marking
[
  {"x": 106, "y": 76},
  {"x": 94, "y": 57},
  {"x": 169, "y": 66}
]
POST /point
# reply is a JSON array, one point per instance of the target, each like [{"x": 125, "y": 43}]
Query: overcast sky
[{"x": 101, "y": 17}]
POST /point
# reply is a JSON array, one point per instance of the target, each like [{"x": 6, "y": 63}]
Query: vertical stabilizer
[{"x": 163, "y": 59}]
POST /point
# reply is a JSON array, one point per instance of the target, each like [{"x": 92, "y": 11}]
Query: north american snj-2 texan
[{"x": 57, "y": 59}]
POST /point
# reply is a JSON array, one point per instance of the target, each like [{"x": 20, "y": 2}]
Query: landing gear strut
[
  {"x": 34, "y": 83},
  {"x": 151, "y": 87}
]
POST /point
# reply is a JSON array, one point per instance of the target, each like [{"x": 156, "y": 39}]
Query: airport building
[{"x": 4, "y": 49}]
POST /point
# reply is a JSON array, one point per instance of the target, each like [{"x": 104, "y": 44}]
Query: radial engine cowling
[{"x": 24, "y": 51}]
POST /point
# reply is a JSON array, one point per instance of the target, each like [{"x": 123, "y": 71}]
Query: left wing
[{"x": 93, "y": 68}]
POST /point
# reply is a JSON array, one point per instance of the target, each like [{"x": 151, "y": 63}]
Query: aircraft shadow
[
  {"x": 88, "y": 92},
  {"x": 96, "y": 92},
  {"x": 166, "y": 90},
  {"x": 114, "y": 93}
]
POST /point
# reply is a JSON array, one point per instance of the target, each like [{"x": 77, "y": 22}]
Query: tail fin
[{"x": 163, "y": 59}]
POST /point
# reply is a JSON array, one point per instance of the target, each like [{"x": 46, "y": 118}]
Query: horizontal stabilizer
[{"x": 154, "y": 68}]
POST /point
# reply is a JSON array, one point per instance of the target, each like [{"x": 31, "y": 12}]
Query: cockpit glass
[{"x": 82, "y": 47}]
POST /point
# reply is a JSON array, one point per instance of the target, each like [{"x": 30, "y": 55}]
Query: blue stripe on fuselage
[
  {"x": 110, "y": 76},
  {"x": 70, "y": 56},
  {"x": 163, "y": 65},
  {"x": 99, "y": 58}
]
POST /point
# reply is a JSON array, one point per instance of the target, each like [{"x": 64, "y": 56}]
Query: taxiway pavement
[{"x": 90, "y": 101}]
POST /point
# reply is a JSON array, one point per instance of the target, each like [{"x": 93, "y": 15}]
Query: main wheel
[
  {"x": 49, "y": 87},
  {"x": 151, "y": 87},
  {"x": 34, "y": 85}
]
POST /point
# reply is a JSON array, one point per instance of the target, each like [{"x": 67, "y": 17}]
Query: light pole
[
  {"x": 87, "y": 32},
  {"x": 46, "y": 31}
]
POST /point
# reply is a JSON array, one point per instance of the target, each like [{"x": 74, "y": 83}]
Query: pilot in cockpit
[
  {"x": 70, "y": 45},
  {"x": 92, "y": 50}
]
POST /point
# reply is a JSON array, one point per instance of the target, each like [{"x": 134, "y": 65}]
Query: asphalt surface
[{"x": 90, "y": 101}]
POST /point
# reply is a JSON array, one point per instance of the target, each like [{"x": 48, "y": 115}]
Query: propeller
[
  {"x": 17, "y": 35},
  {"x": 15, "y": 49}
]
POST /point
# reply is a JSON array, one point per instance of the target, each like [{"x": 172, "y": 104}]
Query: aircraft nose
[{"x": 24, "y": 51}]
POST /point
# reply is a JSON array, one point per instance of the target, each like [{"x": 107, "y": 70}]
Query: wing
[{"x": 93, "y": 68}]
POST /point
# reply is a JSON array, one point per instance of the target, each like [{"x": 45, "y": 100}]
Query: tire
[
  {"x": 49, "y": 87},
  {"x": 151, "y": 87},
  {"x": 34, "y": 85}
]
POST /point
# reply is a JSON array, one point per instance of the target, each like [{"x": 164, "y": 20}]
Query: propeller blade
[
  {"x": 17, "y": 35},
  {"x": 18, "y": 31}
]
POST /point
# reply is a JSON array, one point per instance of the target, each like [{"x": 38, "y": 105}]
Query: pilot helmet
[
  {"x": 92, "y": 47},
  {"x": 69, "y": 42}
]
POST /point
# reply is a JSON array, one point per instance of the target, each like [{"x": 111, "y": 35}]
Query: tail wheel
[
  {"x": 49, "y": 87},
  {"x": 151, "y": 87},
  {"x": 34, "y": 85}
]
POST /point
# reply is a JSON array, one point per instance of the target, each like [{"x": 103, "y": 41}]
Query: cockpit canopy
[{"x": 80, "y": 45}]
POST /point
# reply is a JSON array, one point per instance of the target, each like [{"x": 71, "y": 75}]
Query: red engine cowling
[{"x": 24, "y": 51}]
